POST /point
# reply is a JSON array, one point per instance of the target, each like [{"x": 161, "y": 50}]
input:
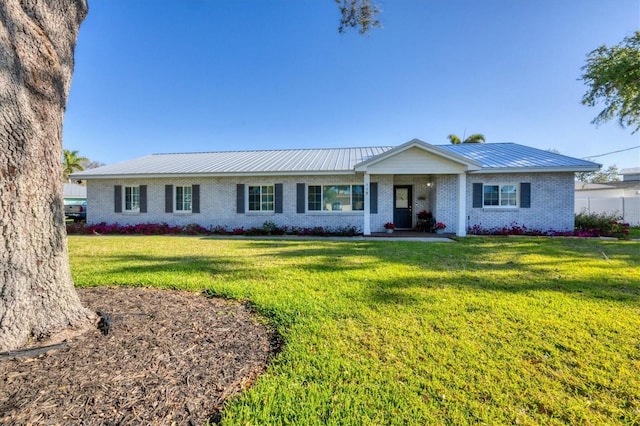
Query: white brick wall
[
  {"x": 551, "y": 201},
  {"x": 385, "y": 202},
  {"x": 445, "y": 209},
  {"x": 218, "y": 203}
]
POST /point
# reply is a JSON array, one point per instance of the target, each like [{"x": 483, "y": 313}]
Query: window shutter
[
  {"x": 168, "y": 198},
  {"x": 195, "y": 198},
  {"x": 373, "y": 197},
  {"x": 277, "y": 193},
  {"x": 300, "y": 197},
  {"x": 525, "y": 195},
  {"x": 477, "y": 195},
  {"x": 240, "y": 198},
  {"x": 143, "y": 198},
  {"x": 117, "y": 199}
]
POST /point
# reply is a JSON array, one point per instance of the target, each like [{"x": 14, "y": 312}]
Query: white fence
[{"x": 627, "y": 207}]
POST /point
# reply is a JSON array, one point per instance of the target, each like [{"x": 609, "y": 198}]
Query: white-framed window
[
  {"x": 261, "y": 198},
  {"x": 132, "y": 199},
  {"x": 183, "y": 198},
  {"x": 335, "y": 198},
  {"x": 503, "y": 195}
]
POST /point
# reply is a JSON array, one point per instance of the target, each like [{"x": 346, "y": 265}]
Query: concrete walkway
[{"x": 409, "y": 236}]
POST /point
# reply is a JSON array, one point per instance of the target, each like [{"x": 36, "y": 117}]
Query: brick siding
[{"x": 551, "y": 201}]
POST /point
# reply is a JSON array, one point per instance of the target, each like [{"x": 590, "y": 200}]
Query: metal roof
[
  {"x": 73, "y": 190},
  {"x": 515, "y": 156},
  {"x": 241, "y": 162},
  {"x": 491, "y": 156},
  {"x": 630, "y": 171}
]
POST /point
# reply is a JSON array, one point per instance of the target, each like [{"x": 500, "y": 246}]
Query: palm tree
[
  {"x": 71, "y": 163},
  {"x": 475, "y": 138}
]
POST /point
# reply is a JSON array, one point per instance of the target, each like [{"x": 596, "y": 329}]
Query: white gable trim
[{"x": 455, "y": 163}]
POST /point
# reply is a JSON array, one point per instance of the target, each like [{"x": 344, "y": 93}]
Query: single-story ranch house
[{"x": 488, "y": 185}]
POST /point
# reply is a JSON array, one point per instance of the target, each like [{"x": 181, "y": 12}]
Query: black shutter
[
  {"x": 278, "y": 197},
  {"x": 525, "y": 195},
  {"x": 195, "y": 198},
  {"x": 168, "y": 198},
  {"x": 373, "y": 197},
  {"x": 240, "y": 198},
  {"x": 300, "y": 197},
  {"x": 143, "y": 198},
  {"x": 117, "y": 199},
  {"x": 477, "y": 195}
]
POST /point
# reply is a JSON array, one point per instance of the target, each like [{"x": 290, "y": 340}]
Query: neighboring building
[
  {"x": 631, "y": 174},
  {"x": 489, "y": 185},
  {"x": 620, "y": 198},
  {"x": 74, "y": 193}
]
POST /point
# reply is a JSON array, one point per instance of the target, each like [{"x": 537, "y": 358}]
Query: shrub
[
  {"x": 237, "y": 231},
  {"x": 319, "y": 231},
  {"x": 195, "y": 229},
  {"x": 219, "y": 230},
  {"x": 268, "y": 228},
  {"x": 425, "y": 221},
  {"x": 346, "y": 231},
  {"x": 271, "y": 228},
  {"x": 592, "y": 227},
  {"x": 601, "y": 224}
]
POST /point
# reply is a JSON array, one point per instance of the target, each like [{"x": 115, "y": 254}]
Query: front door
[{"x": 402, "y": 211}]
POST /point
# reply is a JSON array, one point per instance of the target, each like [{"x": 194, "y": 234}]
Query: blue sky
[{"x": 217, "y": 75}]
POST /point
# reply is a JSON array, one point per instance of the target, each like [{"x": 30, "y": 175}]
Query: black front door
[{"x": 402, "y": 211}]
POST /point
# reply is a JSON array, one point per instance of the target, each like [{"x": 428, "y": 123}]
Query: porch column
[
  {"x": 462, "y": 205},
  {"x": 367, "y": 205}
]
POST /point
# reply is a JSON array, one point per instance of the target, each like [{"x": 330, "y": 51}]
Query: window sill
[
  {"x": 501, "y": 209},
  {"x": 335, "y": 212}
]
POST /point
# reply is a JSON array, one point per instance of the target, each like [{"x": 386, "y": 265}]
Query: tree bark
[{"x": 37, "y": 296}]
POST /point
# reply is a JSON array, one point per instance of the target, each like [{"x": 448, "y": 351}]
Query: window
[
  {"x": 315, "y": 197},
  {"x": 335, "y": 197},
  {"x": 500, "y": 195},
  {"x": 183, "y": 198},
  {"x": 261, "y": 198},
  {"x": 131, "y": 198}
]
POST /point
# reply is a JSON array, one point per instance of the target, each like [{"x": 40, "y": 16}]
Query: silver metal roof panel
[
  {"x": 512, "y": 155},
  {"x": 493, "y": 157},
  {"x": 239, "y": 162}
]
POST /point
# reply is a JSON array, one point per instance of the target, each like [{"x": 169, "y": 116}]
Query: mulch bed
[{"x": 170, "y": 357}]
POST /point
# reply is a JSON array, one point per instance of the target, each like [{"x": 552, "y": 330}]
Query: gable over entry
[{"x": 420, "y": 158}]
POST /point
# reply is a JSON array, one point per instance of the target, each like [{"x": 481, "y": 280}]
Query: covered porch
[{"x": 412, "y": 178}]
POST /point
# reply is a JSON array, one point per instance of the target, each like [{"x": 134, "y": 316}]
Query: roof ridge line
[{"x": 272, "y": 150}]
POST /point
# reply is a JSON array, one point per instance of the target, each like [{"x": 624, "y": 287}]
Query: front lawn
[{"x": 485, "y": 330}]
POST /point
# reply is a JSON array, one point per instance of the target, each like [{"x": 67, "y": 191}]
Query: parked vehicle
[{"x": 76, "y": 211}]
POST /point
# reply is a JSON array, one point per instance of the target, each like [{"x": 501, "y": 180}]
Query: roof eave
[
  {"x": 207, "y": 175},
  {"x": 525, "y": 169}
]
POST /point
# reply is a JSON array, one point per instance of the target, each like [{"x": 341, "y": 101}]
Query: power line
[{"x": 608, "y": 153}]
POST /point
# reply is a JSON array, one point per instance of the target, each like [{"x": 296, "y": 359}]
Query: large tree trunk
[{"x": 37, "y": 297}]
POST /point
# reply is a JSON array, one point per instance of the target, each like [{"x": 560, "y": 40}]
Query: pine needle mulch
[{"x": 171, "y": 357}]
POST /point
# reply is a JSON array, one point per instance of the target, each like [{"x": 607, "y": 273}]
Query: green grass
[
  {"x": 485, "y": 330},
  {"x": 634, "y": 232}
]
